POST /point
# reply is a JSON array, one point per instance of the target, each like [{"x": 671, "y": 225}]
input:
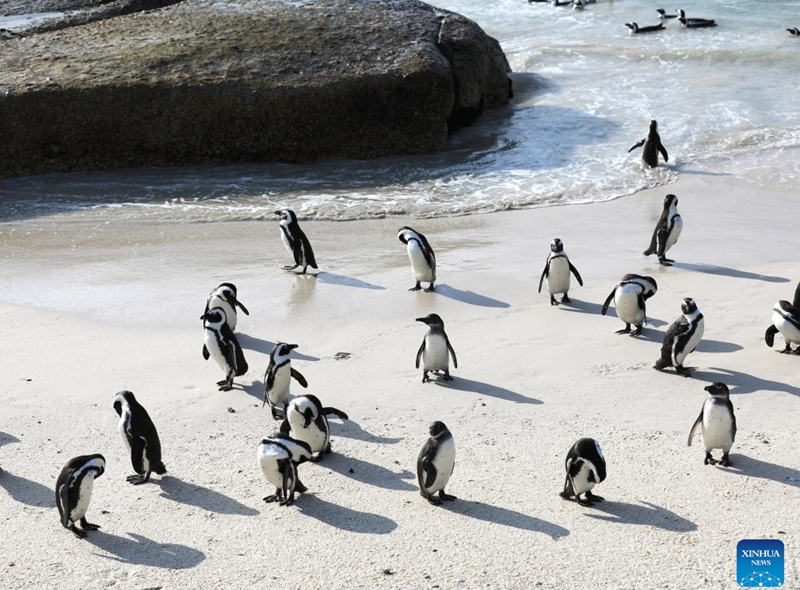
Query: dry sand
[{"x": 88, "y": 310}]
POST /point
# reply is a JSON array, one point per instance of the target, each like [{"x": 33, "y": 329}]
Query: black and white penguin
[
  {"x": 278, "y": 378},
  {"x": 307, "y": 421},
  {"x": 221, "y": 345},
  {"x": 296, "y": 242},
  {"x": 140, "y": 437},
  {"x": 652, "y": 145},
  {"x": 586, "y": 467},
  {"x": 694, "y": 23},
  {"x": 667, "y": 231},
  {"x": 435, "y": 349},
  {"x": 717, "y": 423},
  {"x": 421, "y": 256},
  {"x": 629, "y": 297},
  {"x": 435, "y": 464},
  {"x": 794, "y": 32},
  {"x": 74, "y": 491},
  {"x": 635, "y": 28},
  {"x": 682, "y": 338},
  {"x": 557, "y": 270},
  {"x": 225, "y": 296},
  {"x": 662, "y": 14},
  {"x": 786, "y": 320},
  {"x": 278, "y": 456}
]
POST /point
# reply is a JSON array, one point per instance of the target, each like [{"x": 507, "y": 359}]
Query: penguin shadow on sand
[
  {"x": 370, "y": 473},
  {"x": 479, "y": 387},
  {"x": 724, "y": 271},
  {"x": 193, "y": 494},
  {"x": 343, "y": 518},
  {"x": 23, "y": 490},
  {"x": 469, "y": 297},
  {"x": 751, "y": 467},
  {"x": 265, "y": 347},
  {"x": 332, "y": 278},
  {"x": 352, "y": 429},
  {"x": 506, "y": 517},
  {"x": 646, "y": 513},
  {"x": 139, "y": 550},
  {"x": 740, "y": 382}
]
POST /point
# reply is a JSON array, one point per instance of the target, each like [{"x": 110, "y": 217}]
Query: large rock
[{"x": 246, "y": 80}]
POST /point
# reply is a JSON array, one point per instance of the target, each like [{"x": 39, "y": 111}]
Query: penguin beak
[
  {"x": 423, "y": 320},
  {"x": 202, "y": 317},
  {"x": 307, "y": 416},
  {"x": 118, "y": 408},
  {"x": 277, "y": 212}
]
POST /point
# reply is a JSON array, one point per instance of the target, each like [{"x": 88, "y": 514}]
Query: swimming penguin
[
  {"x": 694, "y": 23},
  {"x": 629, "y": 297},
  {"x": 786, "y": 320},
  {"x": 635, "y": 28},
  {"x": 307, "y": 421},
  {"x": 794, "y": 32},
  {"x": 224, "y": 296},
  {"x": 717, "y": 423},
  {"x": 682, "y": 338},
  {"x": 278, "y": 378},
  {"x": 586, "y": 467},
  {"x": 74, "y": 491},
  {"x": 296, "y": 242},
  {"x": 140, "y": 437},
  {"x": 278, "y": 456},
  {"x": 421, "y": 256},
  {"x": 667, "y": 231},
  {"x": 435, "y": 349},
  {"x": 557, "y": 270},
  {"x": 435, "y": 464},
  {"x": 652, "y": 145},
  {"x": 221, "y": 344},
  {"x": 662, "y": 14}
]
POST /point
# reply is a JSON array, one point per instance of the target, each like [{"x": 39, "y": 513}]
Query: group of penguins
[{"x": 304, "y": 434}]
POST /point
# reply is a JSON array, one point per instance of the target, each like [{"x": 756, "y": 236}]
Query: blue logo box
[{"x": 759, "y": 563}]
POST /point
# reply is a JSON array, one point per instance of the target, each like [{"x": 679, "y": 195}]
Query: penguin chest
[
  {"x": 419, "y": 266},
  {"x": 285, "y": 239},
  {"x": 788, "y": 329},
  {"x": 558, "y": 275},
  {"x": 280, "y": 385},
  {"x": 581, "y": 483},
  {"x": 271, "y": 470},
  {"x": 672, "y": 238},
  {"x": 435, "y": 356},
  {"x": 626, "y": 300},
  {"x": 124, "y": 427},
  {"x": 694, "y": 339},
  {"x": 316, "y": 438},
  {"x": 443, "y": 462},
  {"x": 84, "y": 497},
  {"x": 215, "y": 350},
  {"x": 717, "y": 426}
]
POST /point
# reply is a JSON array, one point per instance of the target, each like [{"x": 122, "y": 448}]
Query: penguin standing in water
[
  {"x": 278, "y": 456},
  {"x": 221, "y": 345},
  {"x": 421, "y": 256},
  {"x": 74, "y": 491},
  {"x": 140, "y": 437},
  {"x": 586, "y": 467},
  {"x": 278, "y": 378},
  {"x": 435, "y": 464},
  {"x": 652, "y": 145},
  {"x": 667, "y": 231},
  {"x": 717, "y": 423},
  {"x": 786, "y": 320},
  {"x": 307, "y": 421},
  {"x": 225, "y": 297},
  {"x": 629, "y": 297},
  {"x": 435, "y": 349},
  {"x": 682, "y": 338},
  {"x": 296, "y": 242},
  {"x": 557, "y": 271}
]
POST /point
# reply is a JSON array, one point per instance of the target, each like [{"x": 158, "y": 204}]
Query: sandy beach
[{"x": 91, "y": 309}]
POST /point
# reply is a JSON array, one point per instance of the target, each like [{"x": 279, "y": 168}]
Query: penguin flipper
[
  {"x": 335, "y": 412},
  {"x": 696, "y": 425},
  {"x": 661, "y": 235},
  {"x": 206, "y": 355},
  {"x": 312, "y": 262},
  {"x": 576, "y": 273},
  {"x": 138, "y": 445},
  {"x": 544, "y": 273},
  {"x": 608, "y": 302},
  {"x": 452, "y": 352},
  {"x": 663, "y": 151},
  {"x": 298, "y": 376},
  {"x": 63, "y": 504},
  {"x": 638, "y": 144},
  {"x": 297, "y": 250},
  {"x": 733, "y": 420},
  {"x": 243, "y": 308},
  {"x": 769, "y": 336},
  {"x": 419, "y": 352},
  {"x": 428, "y": 470}
]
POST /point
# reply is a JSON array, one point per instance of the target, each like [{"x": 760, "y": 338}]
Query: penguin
[
  {"x": 74, "y": 491},
  {"x": 222, "y": 345},
  {"x": 278, "y": 378},
  {"x": 586, "y": 467},
  {"x": 667, "y": 231},
  {"x": 786, "y": 320},
  {"x": 717, "y": 423},
  {"x": 307, "y": 421},
  {"x": 435, "y": 464},
  {"x": 629, "y": 297},
  {"x": 635, "y": 28},
  {"x": 225, "y": 297},
  {"x": 652, "y": 145},
  {"x": 278, "y": 456},
  {"x": 140, "y": 437},
  {"x": 296, "y": 242},
  {"x": 694, "y": 23},
  {"x": 421, "y": 256},
  {"x": 435, "y": 348},
  {"x": 662, "y": 14},
  {"x": 579, "y": 4},
  {"x": 794, "y": 32},
  {"x": 557, "y": 271},
  {"x": 682, "y": 338}
]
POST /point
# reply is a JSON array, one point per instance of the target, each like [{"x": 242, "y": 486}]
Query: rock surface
[{"x": 204, "y": 81}]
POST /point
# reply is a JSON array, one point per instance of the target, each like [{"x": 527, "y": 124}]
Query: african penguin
[
  {"x": 435, "y": 349},
  {"x": 629, "y": 297},
  {"x": 421, "y": 256},
  {"x": 557, "y": 270},
  {"x": 662, "y": 14},
  {"x": 140, "y": 437},
  {"x": 682, "y": 338},
  {"x": 652, "y": 145},
  {"x": 635, "y": 28},
  {"x": 694, "y": 23},
  {"x": 225, "y": 296},
  {"x": 717, "y": 423},
  {"x": 435, "y": 464},
  {"x": 786, "y": 320},
  {"x": 667, "y": 231},
  {"x": 586, "y": 467},
  {"x": 296, "y": 242},
  {"x": 794, "y": 32},
  {"x": 307, "y": 421},
  {"x": 278, "y": 456},
  {"x": 278, "y": 378},
  {"x": 221, "y": 345},
  {"x": 74, "y": 491}
]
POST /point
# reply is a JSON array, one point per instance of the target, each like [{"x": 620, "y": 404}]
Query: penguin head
[
  {"x": 123, "y": 397},
  {"x": 99, "y": 461},
  {"x": 281, "y": 349},
  {"x": 287, "y": 214},
  {"x": 688, "y": 306},
  {"x": 681, "y": 14},
  {"x": 215, "y": 316},
  {"x": 228, "y": 287},
  {"x": 651, "y": 287},
  {"x": 632, "y": 26},
  {"x": 437, "y": 429},
  {"x": 308, "y": 406},
  {"x": 432, "y": 320},
  {"x": 718, "y": 389},
  {"x": 556, "y": 245},
  {"x": 653, "y": 126},
  {"x": 405, "y": 233},
  {"x": 661, "y": 12}
]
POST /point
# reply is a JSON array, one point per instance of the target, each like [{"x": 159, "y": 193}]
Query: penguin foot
[
  {"x": 275, "y": 415},
  {"x": 434, "y": 500},
  {"x": 594, "y": 497},
  {"x": 425, "y": 377},
  {"x": 88, "y": 526},
  {"x": 709, "y": 460},
  {"x": 288, "y": 267},
  {"x": 665, "y": 262},
  {"x": 272, "y": 498},
  {"x": 447, "y": 377},
  {"x": 726, "y": 462},
  {"x": 684, "y": 371},
  {"x": 430, "y": 289},
  {"x": 623, "y": 331},
  {"x": 226, "y": 387},
  {"x": 553, "y": 300},
  {"x": 565, "y": 495},
  {"x": 583, "y": 502},
  {"x": 637, "y": 331},
  {"x": 223, "y": 382},
  {"x": 788, "y": 349},
  {"x": 287, "y": 502},
  {"x": 137, "y": 480},
  {"x": 76, "y": 531},
  {"x": 566, "y": 299},
  {"x": 416, "y": 287},
  {"x": 446, "y": 497}
]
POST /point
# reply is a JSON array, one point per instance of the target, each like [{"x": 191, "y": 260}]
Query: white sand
[{"x": 94, "y": 310}]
